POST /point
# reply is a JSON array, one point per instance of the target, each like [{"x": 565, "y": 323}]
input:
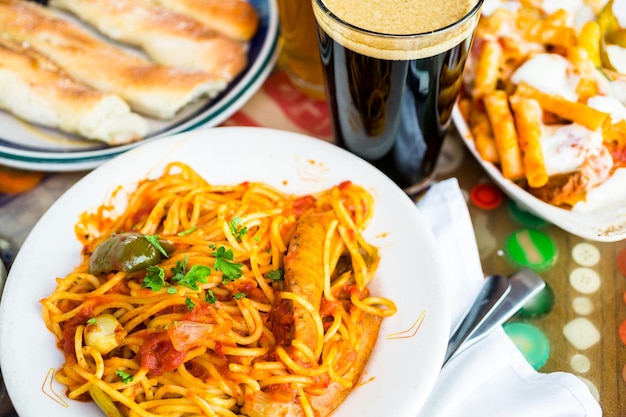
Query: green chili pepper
[
  {"x": 127, "y": 252},
  {"x": 104, "y": 402}
]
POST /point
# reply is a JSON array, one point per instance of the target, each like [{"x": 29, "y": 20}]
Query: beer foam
[{"x": 413, "y": 26}]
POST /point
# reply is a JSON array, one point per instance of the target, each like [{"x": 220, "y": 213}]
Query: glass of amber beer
[
  {"x": 299, "y": 55},
  {"x": 393, "y": 70}
]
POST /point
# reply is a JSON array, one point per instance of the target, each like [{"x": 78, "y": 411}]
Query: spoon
[{"x": 497, "y": 301}]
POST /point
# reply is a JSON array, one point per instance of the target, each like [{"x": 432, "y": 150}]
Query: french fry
[
  {"x": 589, "y": 40},
  {"x": 546, "y": 32},
  {"x": 504, "y": 134},
  {"x": 576, "y": 112},
  {"x": 514, "y": 55},
  {"x": 483, "y": 136},
  {"x": 487, "y": 69},
  {"x": 465, "y": 107},
  {"x": 480, "y": 130},
  {"x": 527, "y": 115},
  {"x": 500, "y": 19},
  {"x": 587, "y": 86}
]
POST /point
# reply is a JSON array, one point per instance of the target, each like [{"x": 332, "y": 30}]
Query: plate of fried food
[
  {"x": 82, "y": 82},
  {"x": 543, "y": 109},
  {"x": 189, "y": 276}
]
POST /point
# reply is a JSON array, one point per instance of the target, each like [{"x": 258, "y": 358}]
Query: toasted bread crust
[
  {"x": 234, "y": 18},
  {"x": 166, "y": 36},
  {"x": 152, "y": 89},
  {"x": 37, "y": 90}
]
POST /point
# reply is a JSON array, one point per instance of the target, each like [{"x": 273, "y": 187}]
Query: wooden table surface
[{"x": 588, "y": 283}]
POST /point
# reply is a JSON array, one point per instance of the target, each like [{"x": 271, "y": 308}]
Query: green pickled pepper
[{"x": 126, "y": 252}]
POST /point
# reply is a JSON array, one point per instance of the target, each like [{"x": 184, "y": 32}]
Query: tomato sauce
[
  {"x": 302, "y": 204},
  {"x": 619, "y": 155},
  {"x": 69, "y": 329},
  {"x": 282, "y": 320},
  {"x": 157, "y": 354}
]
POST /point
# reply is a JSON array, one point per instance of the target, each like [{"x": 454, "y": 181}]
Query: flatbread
[
  {"x": 33, "y": 88},
  {"x": 167, "y": 37},
  {"x": 152, "y": 89},
  {"x": 234, "y": 18}
]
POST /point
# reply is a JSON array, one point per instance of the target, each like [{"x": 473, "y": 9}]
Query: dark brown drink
[{"x": 391, "y": 96}]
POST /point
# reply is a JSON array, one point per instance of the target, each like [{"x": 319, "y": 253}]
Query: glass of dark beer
[{"x": 392, "y": 72}]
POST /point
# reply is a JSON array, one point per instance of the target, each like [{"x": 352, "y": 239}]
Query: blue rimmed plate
[{"x": 27, "y": 146}]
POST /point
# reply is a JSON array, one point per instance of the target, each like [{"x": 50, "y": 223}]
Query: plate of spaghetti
[{"x": 228, "y": 271}]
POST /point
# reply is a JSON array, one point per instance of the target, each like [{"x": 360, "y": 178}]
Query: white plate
[
  {"x": 602, "y": 218},
  {"x": 403, "y": 370},
  {"x": 24, "y": 145}
]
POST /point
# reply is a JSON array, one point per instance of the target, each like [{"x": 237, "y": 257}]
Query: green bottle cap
[
  {"x": 524, "y": 217},
  {"x": 540, "y": 304},
  {"x": 531, "y": 341},
  {"x": 529, "y": 248}
]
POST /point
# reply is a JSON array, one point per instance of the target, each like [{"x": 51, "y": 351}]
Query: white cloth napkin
[{"x": 492, "y": 377}]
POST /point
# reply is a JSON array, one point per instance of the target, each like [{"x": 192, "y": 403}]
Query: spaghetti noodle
[{"x": 214, "y": 300}]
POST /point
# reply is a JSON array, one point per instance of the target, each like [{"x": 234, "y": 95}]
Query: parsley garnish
[
  {"x": 189, "y": 303},
  {"x": 240, "y": 295},
  {"x": 124, "y": 376},
  {"x": 275, "y": 275},
  {"x": 92, "y": 321},
  {"x": 154, "y": 239},
  {"x": 191, "y": 278},
  {"x": 223, "y": 262},
  {"x": 210, "y": 297},
  {"x": 155, "y": 278},
  {"x": 188, "y": 231},
  {"x": 237, "y": 229}
]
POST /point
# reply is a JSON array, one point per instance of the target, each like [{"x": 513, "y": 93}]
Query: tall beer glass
[
  {"x": 299, "y": 56},
  {"x": 393, "y": 71}
]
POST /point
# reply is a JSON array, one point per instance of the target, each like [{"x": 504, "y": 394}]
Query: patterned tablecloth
[{"x": 577, "y": 325}]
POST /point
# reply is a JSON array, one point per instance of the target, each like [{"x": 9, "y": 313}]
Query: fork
[{"x": 499, "y": 299}]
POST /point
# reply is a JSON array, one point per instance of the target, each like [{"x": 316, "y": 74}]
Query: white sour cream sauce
[
  {"x": 567, "y": 147},
  {"x": 617, "y": 89},
  {"x": 606, "y": 197},
  {"x": 550, "y": 73},
  {"x": 609, "y": 104},
  {"x": 571, "y": 147}
]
